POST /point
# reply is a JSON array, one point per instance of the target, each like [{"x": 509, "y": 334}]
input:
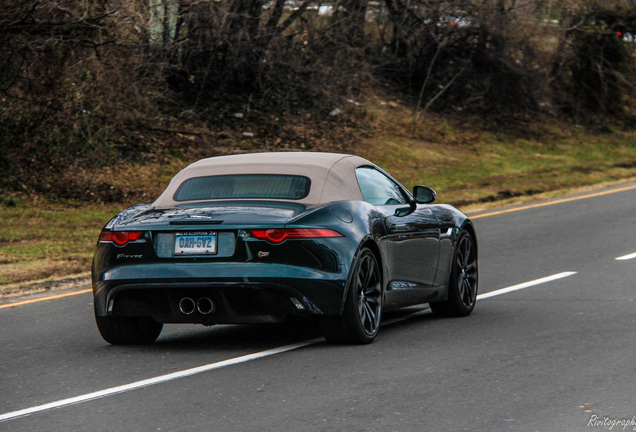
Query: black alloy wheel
[
  {"x": 463, "y": 283},
  {"x": 360, "y": 321}
]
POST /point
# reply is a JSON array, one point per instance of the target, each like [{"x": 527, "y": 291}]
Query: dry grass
[
  {"x": 468, "y": 166},
  {"x": 40, "y": 239}
]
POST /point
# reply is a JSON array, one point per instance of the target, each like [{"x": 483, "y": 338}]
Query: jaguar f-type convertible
[{"x": 257, "y": 238}]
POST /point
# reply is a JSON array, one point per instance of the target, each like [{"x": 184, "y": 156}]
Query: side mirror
[{"x": 424, "y": 194}]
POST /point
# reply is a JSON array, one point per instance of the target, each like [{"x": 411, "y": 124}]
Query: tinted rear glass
[{"x": 254, "y": 186}]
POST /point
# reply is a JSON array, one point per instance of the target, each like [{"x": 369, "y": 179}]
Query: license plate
[{"x": 195, "y": 243}]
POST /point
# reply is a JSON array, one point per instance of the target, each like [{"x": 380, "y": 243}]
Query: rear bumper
[{"x": 241, "y": 292}]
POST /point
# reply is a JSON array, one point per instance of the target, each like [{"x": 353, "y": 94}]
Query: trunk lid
[{"x": 230, "y": 215}]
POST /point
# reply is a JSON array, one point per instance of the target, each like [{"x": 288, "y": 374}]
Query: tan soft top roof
[{"x": 332, "y": 175}]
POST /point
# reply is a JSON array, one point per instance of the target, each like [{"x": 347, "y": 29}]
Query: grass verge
[
  {"x": 469, "y": 167},
  {"x": 40, "y": 240}
]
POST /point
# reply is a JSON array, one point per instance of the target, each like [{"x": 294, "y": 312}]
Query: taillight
[
  {"x": 279, "y": 235},
  {"x": 120, "y": 238}
]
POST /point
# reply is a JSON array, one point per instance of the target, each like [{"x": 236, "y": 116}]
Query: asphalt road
[{"x": 554, "y": 356}]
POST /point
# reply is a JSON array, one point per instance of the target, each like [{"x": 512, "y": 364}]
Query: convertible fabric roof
[{"x": 333, "y": 176}]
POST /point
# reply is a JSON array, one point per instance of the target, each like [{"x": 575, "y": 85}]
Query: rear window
[{"x": 255, "y": 186}]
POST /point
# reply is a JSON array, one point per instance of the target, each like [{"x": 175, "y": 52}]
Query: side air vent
[{"x": 196, "y": 222}]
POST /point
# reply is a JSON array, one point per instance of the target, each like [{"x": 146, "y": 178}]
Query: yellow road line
[
  {"x": 53, "y": 297},
  {"x": 561, "y": 201}
]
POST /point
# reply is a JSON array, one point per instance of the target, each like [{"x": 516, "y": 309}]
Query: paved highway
[{"x": 550, "y": 347}]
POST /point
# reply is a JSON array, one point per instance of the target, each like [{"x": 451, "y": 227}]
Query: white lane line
[
  {"x": 525, "y": 285},
  {"x": 157, "y": 380},
  {"x": 212, "y": 366},
  {"x": 626, "y": 257}
]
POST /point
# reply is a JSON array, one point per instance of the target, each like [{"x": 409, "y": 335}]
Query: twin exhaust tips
[{"x": 204, "y": 305}]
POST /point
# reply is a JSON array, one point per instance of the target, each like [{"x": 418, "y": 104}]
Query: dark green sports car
[{"x": 256, "y": 238}]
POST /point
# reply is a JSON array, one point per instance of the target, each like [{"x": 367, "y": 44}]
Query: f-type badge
[{"x": 125, "y": 256}]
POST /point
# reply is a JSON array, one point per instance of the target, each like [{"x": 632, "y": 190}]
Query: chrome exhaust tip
[
  {"x": 187, "y": 306},
  {"x": 205, "y": 306}
]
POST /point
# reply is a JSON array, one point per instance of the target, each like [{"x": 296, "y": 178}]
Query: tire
[
  {"x": 128, "y": 330},
  {"x": 463, "y": 282},
  {"x": 360, "y": 321}
]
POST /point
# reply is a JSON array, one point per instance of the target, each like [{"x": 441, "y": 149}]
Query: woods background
[{"x": 87, "y": 85}]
